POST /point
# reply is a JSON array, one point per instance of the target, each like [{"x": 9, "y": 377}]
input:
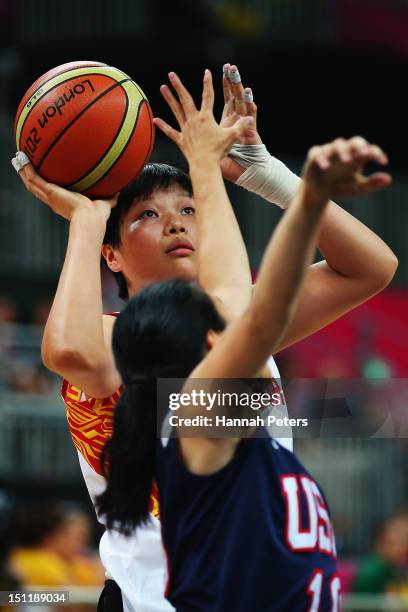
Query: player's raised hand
[
  {"x": 60, "y": 200},
  {"x": 336, "y": 169},
  {"x": 200, "y": 137},
  {"x": 238, "y": 101}
]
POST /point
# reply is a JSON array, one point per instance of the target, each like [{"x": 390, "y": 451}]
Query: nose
[{"x": 174, "y": 226}]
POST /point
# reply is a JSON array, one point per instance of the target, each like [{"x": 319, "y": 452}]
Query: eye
[
  {"x": 148, "y": 214},
  {"x": 188, "y": 210}
]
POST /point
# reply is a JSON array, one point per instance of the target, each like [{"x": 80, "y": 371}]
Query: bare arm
[
  {"x": 76, "y": 341},
  {"x": 357, "y": 264},
  {"x": 223, "y": 266},
  {"x": 246, "y": 344}
]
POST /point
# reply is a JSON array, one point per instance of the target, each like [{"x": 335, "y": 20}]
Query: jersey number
[{"x": 314, "y": 590}]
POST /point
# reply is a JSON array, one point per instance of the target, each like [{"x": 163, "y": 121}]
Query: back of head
[
  {"x": 161, "y": 333},
  {"x": 163, "y": 329}
]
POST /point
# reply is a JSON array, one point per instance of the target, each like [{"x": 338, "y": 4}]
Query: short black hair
[{"x": 154, "y": 177}]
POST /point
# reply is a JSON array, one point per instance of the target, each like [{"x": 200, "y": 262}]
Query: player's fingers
[
  {"x": 174, "y": 104},
  {"x": 230, "y": 120},
  {"x": 322, "y": 162},
  {"x": 185, "y": 98},
  {"x": 319, "y": 157},
  {"x": 340, "y": 149},
  {"x": 238, "y": 130},
  {"x": 379, "y": 155},
  {"x": 357, "y": 143},
  {"x": 227, "y": 94},
  {"x": 238, "y": 90},
  {"x": 20, "y": 161},
  {"x": 229, "y": 102},
  {"x": 372, "y": 153},
  {"x": 32, "y": 181},
  {"x": 173, "y": 134},
  {"x": 226, "y": 86},
  {"x": 207, "y": 103},
  {"x": 113, "y": 201},
  {"x": 252, "y": 109},
  {"x": 375, "y": 182}
]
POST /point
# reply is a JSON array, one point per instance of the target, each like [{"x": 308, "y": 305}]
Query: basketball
[{"x": 85, "y": 126}]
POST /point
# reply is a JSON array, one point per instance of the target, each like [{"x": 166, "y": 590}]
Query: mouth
[{"x": 180, "y": 248}]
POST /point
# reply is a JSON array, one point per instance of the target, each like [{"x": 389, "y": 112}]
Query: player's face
[{"x": 158, "y": 239}]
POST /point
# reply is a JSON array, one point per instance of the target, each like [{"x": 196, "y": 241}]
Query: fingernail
[
  {"x": 248, "y": 97},
  {"x": 206, "y": 71}
]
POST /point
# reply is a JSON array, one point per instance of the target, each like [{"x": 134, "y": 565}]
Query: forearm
[
  {"x": 223, "y": 266},
  {"x": 286, "y": 261},
  {"x": 349, "y": 247},
  {"x": 75, "y": 325},
  {"x": 352, "y": 249}
]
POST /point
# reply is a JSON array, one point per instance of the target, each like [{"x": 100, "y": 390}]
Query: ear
[
  {"x": 111, "y": 257},
  {"x": 212, "y": 338}
]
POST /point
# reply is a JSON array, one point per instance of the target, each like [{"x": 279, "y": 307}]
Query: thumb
[{"x": 239, "y": 128}]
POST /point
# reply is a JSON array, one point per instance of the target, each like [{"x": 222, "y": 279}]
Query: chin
[{"x": 185, "y": 269}]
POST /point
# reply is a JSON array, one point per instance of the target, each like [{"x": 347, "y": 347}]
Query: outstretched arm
[
  {"x": 223, "y": 267},
  {"x": 243, "y": 348},
  {"x": 357, "y": 264},
  {"x": 76, "y": 341}
]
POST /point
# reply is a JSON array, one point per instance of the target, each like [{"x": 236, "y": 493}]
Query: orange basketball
[{"x": 85, "y": 126}]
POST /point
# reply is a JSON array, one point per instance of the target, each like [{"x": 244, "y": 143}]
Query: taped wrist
[{"x": 265, "y": 175}]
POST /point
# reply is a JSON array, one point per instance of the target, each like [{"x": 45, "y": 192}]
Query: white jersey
[{"x": 136, "y": 563}]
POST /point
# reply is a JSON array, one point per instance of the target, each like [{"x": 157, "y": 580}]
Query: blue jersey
[{"x": 253, "y": 537}]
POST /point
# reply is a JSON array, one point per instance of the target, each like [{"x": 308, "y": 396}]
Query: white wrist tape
[{"x": 265, "y": 175}]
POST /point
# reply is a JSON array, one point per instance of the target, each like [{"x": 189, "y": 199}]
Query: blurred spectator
[
  {"x": 25, "y": 377},
  {"x": 53, "y": 548},
  {"x": 21, "y": 369},
  {"x": 8, "y": 580},
  {"x": 8, "y": 310},
  {"x": 386, "y": 569}
]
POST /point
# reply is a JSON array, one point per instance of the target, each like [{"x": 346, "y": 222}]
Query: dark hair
[
  {"x": 161, "y": 333},
  {"x": 154, "y": 177}
]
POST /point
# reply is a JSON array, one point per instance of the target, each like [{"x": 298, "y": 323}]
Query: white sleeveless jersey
[{"x": 136, "y": 563}]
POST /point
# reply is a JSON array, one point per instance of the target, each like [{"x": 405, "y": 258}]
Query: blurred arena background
[{"x": 319, "y": 69}]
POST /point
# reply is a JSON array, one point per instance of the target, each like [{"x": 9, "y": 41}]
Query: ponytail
[
  {"x": 128, "y": 458},
  {"x": 161, "y": 333}
]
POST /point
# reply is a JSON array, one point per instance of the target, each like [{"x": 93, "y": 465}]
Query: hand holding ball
[{"x": 86, "y": 126}]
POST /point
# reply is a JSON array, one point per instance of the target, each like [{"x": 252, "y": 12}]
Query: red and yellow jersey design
[{"x": 90, "y": 422}]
